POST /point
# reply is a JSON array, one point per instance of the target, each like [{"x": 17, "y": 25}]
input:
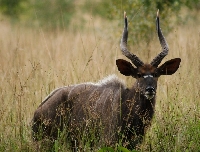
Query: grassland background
[{"x": 34, "y": 62}]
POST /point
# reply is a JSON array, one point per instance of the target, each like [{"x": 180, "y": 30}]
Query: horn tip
[
  {"x": 125, "y": 15},
  {"x": 158, "y": 13}
]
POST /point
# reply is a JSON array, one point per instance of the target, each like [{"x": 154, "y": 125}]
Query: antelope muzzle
[{"x": 150, "y": 92}]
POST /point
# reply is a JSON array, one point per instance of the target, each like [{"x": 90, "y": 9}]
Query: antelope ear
[
  {"x": 126, "y": 68},
  {"x": 169, "y": 67}
]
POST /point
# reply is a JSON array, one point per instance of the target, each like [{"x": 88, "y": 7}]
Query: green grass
[{"x": 34, "y": 62}]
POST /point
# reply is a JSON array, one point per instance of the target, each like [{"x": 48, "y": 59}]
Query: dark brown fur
[{"x": 117, "y": 107}]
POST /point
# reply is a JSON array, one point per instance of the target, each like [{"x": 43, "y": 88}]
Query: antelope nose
[{"x": 150, "y": 89}]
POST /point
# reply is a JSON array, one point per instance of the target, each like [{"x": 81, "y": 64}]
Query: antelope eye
[
  {"x": 155, "y": 74},
  {"x": 139, "y": 75}
]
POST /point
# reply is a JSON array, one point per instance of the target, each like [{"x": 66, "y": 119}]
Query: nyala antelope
[{"x": 118, "y": 112}]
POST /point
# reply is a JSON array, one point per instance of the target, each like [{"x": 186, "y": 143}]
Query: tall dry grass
[{"x": 34, "y": 62}]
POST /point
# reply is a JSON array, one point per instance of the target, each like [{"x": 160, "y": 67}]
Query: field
[{"x": 35, "y": 61}]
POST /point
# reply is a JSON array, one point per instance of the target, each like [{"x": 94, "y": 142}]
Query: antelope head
[{"x": 146, "y": 74}]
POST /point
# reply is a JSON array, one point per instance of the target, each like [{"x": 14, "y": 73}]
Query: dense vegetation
[
  {"x": 58, "y": 13},
  {"x": 35, "y": 61}
]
